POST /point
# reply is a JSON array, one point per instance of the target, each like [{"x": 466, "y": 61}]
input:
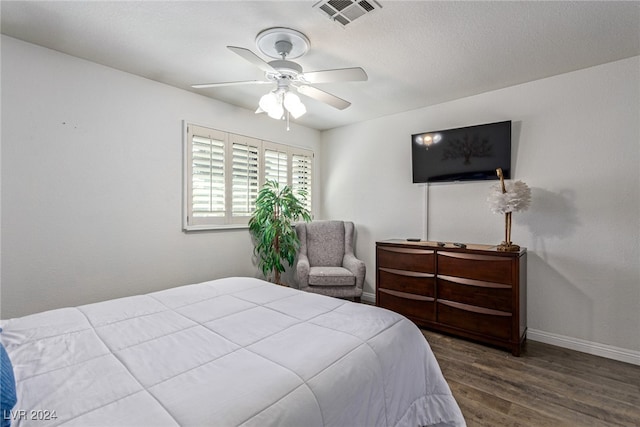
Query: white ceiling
[{"x": 416, "y": 53}]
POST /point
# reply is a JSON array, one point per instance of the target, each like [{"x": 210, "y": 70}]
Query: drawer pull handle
[
  {"x": 406, "y": 273},
  {"x": 474, "y": 309},
  {"x": 472, "y": 282},
  {"x": 408, "y": 251},
  {"x": 474, "y": 257},
  {"x": 406, "y": 295}
]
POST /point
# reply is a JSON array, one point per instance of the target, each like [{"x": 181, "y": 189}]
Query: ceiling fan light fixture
[
  {"x": 298, "y": 111},
  {"x": 268, "y": 101},
  {"x": 291, "y": 99},
  {"x": 276, "y": 103},
  {"x": 293, "y": 105},
  {"x": 276, "y": 112}
]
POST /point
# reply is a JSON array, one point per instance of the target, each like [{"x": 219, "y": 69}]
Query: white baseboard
[
  {"x": 369, "y": 297},
  {"x": 597, "y": 349}
]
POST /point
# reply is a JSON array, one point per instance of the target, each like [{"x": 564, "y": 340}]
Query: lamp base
[{"x": 508, "y": 247}]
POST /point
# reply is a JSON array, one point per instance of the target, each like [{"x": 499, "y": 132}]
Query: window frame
[{"x": 229, "y": 220}]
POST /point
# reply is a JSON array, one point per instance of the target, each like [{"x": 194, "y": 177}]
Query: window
[
  {"x": 224, "y": 172},
  {"x": 207, "y": 190},
  {"x": 245, "y": 175},
  {"x": 276, "y": 163},
  {"x": 301, "y": 175}
]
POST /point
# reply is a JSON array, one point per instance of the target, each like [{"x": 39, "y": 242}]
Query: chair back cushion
[{"x": 325, "y": 243}]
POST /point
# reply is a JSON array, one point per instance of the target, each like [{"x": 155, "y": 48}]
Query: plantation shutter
[
  {"x": 301, "y": 175},
  {"x": 223, "y": 174},
  {"x": 244, "y": 179},
  {"x": 275, "y": 164},
  {"x": 207, "y": 150}
]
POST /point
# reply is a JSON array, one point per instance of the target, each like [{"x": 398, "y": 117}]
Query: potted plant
[{"x": 272, "y": 230}]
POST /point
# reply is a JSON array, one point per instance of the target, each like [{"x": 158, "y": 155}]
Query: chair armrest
[
  {"x": 302, "y": 271},
  {"x": 356, "y": 267}
]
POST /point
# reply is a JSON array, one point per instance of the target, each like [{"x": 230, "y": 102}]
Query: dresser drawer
[
  {"x": 475, "y": 291},
  {"x": 483, "y": 321},
  {"x": 487, "y": 268},
  {"x": 420, "y": 260},
  {"x": 417, "y": 308},
  {"x": 406, "y": 281},
  {"x": 496, "y": 296}
]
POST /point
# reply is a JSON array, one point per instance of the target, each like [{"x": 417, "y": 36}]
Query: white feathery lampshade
[
  {"x": 505, "y": 198},
  {"x": 516, "y": 198}
]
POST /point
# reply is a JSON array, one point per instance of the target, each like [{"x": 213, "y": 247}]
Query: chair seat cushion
[{"x": 331, "y": 276}]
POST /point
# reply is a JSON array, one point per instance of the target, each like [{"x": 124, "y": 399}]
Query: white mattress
[{"x": 235, "y": 351}]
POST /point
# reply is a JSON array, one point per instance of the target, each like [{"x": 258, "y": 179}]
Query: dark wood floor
[{"x": 546, "y": 386}]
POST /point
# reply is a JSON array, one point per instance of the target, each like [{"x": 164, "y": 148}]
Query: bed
[{"x": 228, "y": 352}]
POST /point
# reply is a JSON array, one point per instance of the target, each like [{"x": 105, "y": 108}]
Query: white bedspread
[{"x": 235, "y": 351}]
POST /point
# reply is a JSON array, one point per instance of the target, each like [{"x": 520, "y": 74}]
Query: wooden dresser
[{"x": 475, "y": 292}]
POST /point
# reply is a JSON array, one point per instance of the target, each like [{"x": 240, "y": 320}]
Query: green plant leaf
[{"x": 271, "y": 226}]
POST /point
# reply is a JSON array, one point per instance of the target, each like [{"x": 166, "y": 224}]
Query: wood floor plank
[
  {"x": 547, "y": 385},
  {"x": 596, "y": 398}
]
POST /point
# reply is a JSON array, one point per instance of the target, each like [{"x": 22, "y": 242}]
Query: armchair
[{"x": 326, "y": 263}]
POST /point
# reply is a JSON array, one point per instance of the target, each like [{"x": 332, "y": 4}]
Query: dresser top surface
[{"x": 424, "y": 244}]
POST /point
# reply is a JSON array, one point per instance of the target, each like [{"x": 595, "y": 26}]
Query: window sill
[{"x": 192, "y": 228}]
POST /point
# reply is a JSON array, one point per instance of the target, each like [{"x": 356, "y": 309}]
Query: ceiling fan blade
[
  {"x": 253, "y": 58},
  {"x": 355, "y": 74},
  {"x": 242, "y": 82},
  {"x": 322, "y": 96}
]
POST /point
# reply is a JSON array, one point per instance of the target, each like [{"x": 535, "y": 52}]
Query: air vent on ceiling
[{"x": 346, "y": 11}]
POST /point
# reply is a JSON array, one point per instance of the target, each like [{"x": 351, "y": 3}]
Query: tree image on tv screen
[{"x": 467, "y": 148}]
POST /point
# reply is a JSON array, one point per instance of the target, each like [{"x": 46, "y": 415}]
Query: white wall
[
  {"x": 92, "y": 182},
  {"x": 576, "y": 140}
]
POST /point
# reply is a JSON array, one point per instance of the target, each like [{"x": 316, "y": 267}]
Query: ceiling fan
[{"x": 284, "y": 44}]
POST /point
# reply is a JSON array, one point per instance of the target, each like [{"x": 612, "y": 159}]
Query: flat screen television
[{"x": 469, "y": 153}]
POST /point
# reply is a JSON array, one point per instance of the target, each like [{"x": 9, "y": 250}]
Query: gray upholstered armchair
[{"x": 326, "y": 263}]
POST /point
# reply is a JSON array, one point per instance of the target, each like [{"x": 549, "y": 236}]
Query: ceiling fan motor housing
[{"x": 286, "y": 68}]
